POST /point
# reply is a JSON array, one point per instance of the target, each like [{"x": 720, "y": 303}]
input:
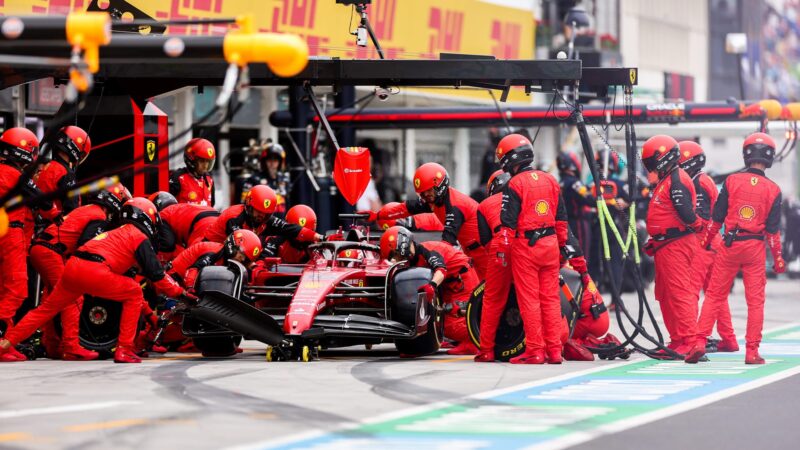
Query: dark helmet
[
  {"x": 568, "y": 161},
  {"x": 660, "y": 154},
  {"x": 693, "y": 159},
  {"x": 19, "y": 145},
  {"x": 162, "y": 199},
  {"x": 272, "y": 151},
  {"x": 196, "y": 149},
  {"x": 396, "y": 242},
  {"x": 496, "y": 182},
  {"x": 142, "y": 213},
  {"x": 74, "y": 142},
  {"x": 759, "y": 148},
  {"x": 513, "y": 151},
  {"x": 613, "y": 159},
  {"x": 112, "y": 198}
]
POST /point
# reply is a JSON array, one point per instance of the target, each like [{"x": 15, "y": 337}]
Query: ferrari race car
[{"x": 345, "y": 295}]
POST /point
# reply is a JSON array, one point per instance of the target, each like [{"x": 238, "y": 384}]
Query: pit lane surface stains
[{"x": 567, "y": 410}]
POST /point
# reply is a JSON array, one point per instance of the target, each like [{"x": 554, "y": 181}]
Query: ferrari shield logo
[
  {"x": 535, "y": 176},
  {"x": 754, "y": 181},
  {"x": 256, "y": 250},
  {"x": 416, "y": 182},
  {"x": 150, "y": 150},
  {"x": 267, "y": 203},
  {"x": 632, "y": 76},
  {"x": 302, "y": 221}
]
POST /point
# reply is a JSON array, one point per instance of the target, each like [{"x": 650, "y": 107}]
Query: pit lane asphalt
[{"x": 185, "y": 401}]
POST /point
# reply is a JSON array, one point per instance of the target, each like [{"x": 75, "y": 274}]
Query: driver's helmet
[{"x": 350, "y": 257}]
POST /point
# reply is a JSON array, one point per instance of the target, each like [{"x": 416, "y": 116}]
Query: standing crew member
[
  {"x": 49, "y": 252},
  {"x": 534, "y": 228},
  {"x": 453, "y": 277},
  {"x": 96, "y": 269},
  {"x": 749, "y": 206},
  {"x": 671, "y": 222},
  {"x": 70, "y": 146},
  {"x": 498, "y": 281},
  {"x": 19, "y": 147},
  {"x": 193, "y": 183},
  {"x": 256, "y": 214},
  {"x": 456, "y": 210},
  {"x": 692, "y": 161}
]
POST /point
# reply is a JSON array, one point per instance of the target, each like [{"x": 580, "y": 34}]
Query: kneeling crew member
[{"x": 453, "y": 277}]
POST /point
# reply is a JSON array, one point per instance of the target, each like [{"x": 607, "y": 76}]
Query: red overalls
[
  {"x": 189, "y": 189},
  {"x": 187, "y": 265},
  {"x": 750, "y": 207},
  {"x": 499, "y": 278},
  {"x": 49, "y": 251},
  {"x": 670, "y": 218},
  {"x": 188, "y": 222},
  {"x": 459, "y": 281},
  {"x": 458, "y": 213},
  {"x": 535, "y": 215},
  {"x": 55, "y": 175},
  {"x": 96, "y": 269}
]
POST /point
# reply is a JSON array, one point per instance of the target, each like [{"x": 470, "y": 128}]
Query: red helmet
[
  {"x": 388, "y": 223},
  {"x": 244, "y": 241},
  {"x": 692, "y": 159},
  {"x": 162, "y": 199},
  {"x": 261, "y": 198},
  {"x": 74, "y": 142},
  {"x": 112, "y": 198},
  {"x": 568, "y": 161},
  {"x": 496, "y": 182},
  {"x": 396, "y": 242},
  {"x": 514, "y": 150},
  {"x": 759, "y": 148},
  {"x": 349, "y": 257},
  {"x": 19, "y": 145},
  {"x": 302, "y": 215},
  {"x": 660, "y": 154},
  {"x": 199, "y": 148},
  {"x": 142, "y": 213},
  {"x": 613, "y": 159},
  {"x": 431, "y": 176}
]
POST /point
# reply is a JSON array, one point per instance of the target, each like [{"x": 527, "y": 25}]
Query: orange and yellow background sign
[{"x": 406, "y": 29}]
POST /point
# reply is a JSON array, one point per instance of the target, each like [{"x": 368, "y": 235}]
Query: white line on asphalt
[
  {"x": 62, "y": 409},
  {"x": 424, "y": 408},
  {"x": 626, "y": 424}
]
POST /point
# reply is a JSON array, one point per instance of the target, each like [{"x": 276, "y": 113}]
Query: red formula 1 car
[{"x": 339, "y": 298}]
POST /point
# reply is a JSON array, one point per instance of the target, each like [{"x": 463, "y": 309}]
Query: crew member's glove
[
  {"x": 578, "y": 263},
  {"x": 779, "y": 265},
  {"x": 649, "y": 248},
  {"x": 429, "y": 289},
  {"x": 338, "y": 236},
  {"x": 188, "y": 297},
  {"x": 373, "y": 216}
]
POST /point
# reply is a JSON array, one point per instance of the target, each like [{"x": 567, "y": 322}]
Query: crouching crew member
[
  {"x": 671, "y": 221},
  {"x": 454, "y": 209},
  {"x": 534, "y": 227},
  {"x": 187, "y": 222},
  {"x": 453, "y": 277},
  {"x": 243, "y": 246},
  {"x": 292, "y": 251},
  {"x": 97, "y": 268},
  {"x": 50, "y": 250},
  {"x": 749, "y": 206},
  {"x": 256, "y": 214}
]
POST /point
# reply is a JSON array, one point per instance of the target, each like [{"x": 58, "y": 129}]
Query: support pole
[{"x": 300, "y": 111}]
